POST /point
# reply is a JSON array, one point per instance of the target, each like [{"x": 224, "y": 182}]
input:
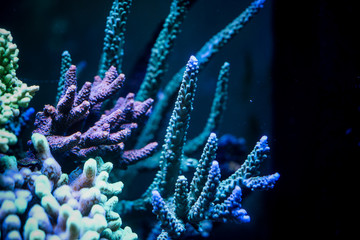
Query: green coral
[
  {"x": 6, "y": 138},
  {"x": 51, "y": 207},
  {"x": 13, "y": 92},
  {"x": 176, "y": 132},
  {"x": 161, "y": 50},
  {"x": 65, "y": 65},
  {"x": 113, "y": 50}
]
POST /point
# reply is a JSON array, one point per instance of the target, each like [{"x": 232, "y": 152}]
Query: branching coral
[
  {"x": 65, "y": 65},
  {"x": 75, "y": 127},
  {"x": 204, "y": 55},
  {"x": 209, "y": 198},
  {"x": 14, "y": 94},
  {"x": 175, "y": 137},
  {"x": 114, "y": 40},
  {"x": 161, "y": 50}
]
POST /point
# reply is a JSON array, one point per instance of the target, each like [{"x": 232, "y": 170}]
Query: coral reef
[{"x": 38, "y": 200}]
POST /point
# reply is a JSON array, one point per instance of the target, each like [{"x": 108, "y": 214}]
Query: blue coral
[{"x": 208, "y": 198}]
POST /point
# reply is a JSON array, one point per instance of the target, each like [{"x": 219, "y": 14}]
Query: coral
[
  {"x": 204, "y": 55},
  {"x": 65, "y": 65},
  {"x": 13, "y": 92},
  {"x": 77, "y": 110},
  {"x": 12, "y": 130},
  {"x": 209, "y": 198},
  {"x": 21, "y": 122},
  {"x": 161, "y": 49},
  {"x": 6, "y": 138},
  {"x": 217, "y": 109},
  {"x": 114, "y": 40},
  {"x": 81, "y": 209},
  {"x": 175, "y": 137}
]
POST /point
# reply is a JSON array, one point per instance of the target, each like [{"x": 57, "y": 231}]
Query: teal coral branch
[
  {"x": 202, "y": 205},
  {"x": 221, "y": 38},
  {"x": 201, "y": 172},
  {"x": 172, "y": 152},
  {"x": 209, "y": 49},
  {"x": 248, "y": 169},
  {"x": 251, "y": 165},
  {"x": 161, "y": 50},
  {"x": 230, "y": 209},
  {"x": 114, "y": 40},
  {"x": 262, "y": 183},
  {"x": 181, "y": 201},
  {"x": 65, "y": 65},
  {"x": 217, "y": 109},
  {"x": 208, "y": 198}
]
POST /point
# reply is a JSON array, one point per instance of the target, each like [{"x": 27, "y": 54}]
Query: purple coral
[{"x": 75, "y": 129}]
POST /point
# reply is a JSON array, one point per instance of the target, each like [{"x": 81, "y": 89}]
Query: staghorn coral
[
  {"x": 68, "y": 125},
  {"x": 204, "y": 55},
  {"x": 175, "y": 137},
  {"x": 65, "y": 65},
  {"x": 209, "y": 198},
  {"x": 161, "y": 50},
  {"x": 114, "y": 40}
]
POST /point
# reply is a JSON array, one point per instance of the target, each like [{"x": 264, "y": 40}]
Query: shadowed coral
[
  {"x": 161, "y": 49},
  {"x": 208, "y": 198}
]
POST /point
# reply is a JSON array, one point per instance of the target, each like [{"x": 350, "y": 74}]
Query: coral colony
[{"x": 59, "y": 186}]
